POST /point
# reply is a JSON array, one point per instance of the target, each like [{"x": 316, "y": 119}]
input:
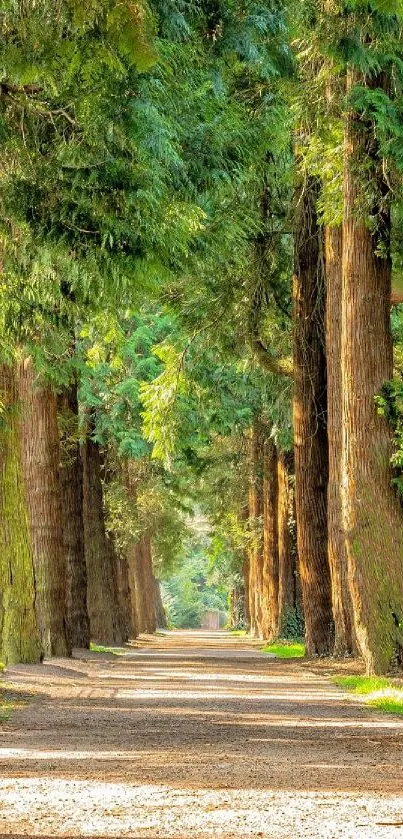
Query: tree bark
[
  {"x": 255, "y": 521},
  {"x": 341, "y": 598},
  {"x": 19, "y": 635},
  {"x": 126, "y": 622},
  {"x": 102, "y": 595},
  {"x": 73, "y": 519},
  {"x": 41, "y": 466},
  {"x": 270, "y": 542},
  {"x": 160, "y": 615},
  {"x": 372, "y": 517},
  {"x": 309, "y": 413},
  {"x": 287, "y": 593}
]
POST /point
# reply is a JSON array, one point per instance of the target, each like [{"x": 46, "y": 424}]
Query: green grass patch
[
  {"x": 363, "y": 684},
  {"x": 380, "y": 693},
  {"x": 285, "y": 650},
  {"x": 98, "y": 648},
  {"x": 239, "y": 633},
  {"x": 388, "y": 704}
]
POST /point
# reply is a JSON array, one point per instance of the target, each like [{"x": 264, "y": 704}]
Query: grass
[
  {"x": 240, "y": 633},
  {"x": 380, "y": 693},
  {"x": 98, "y": 648},
  {"x": 285, "y": 650}
]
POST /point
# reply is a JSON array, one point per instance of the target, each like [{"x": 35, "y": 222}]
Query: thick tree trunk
[
  {"x": 102, "y": 595},
  {"x": 41, "y": 466},
  {"x": 310, "y": 434},
  {"x": 19, "y": 636},
  {"x": 73, "y": 521},
  {"x": 341, "y": 598},
  {"x": 372, "y": 517},
  {"x": 255, "y": 520},
  {"x": 270, "y": 542},
  {"x": 287, "y": 594}
]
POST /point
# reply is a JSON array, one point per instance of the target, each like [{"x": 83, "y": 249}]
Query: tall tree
[
  {"x": 40, "y": 454},
  {"x": 309, "y": 411},
  {"x": 19, "y": 636}
]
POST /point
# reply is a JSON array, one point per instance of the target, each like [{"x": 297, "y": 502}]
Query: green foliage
[
  {"x": 292, "y": 624},
  {"x": 192, "y": 590}
]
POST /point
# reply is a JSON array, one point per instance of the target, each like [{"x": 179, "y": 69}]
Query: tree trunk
[
  {"x": 41, "y": 466},
  {"x": 142, "y": 585},
  {"x": 159, "y": 607},
  {"x": 341, "y": 598},
  {"x": 73, "y": 521},
  {"x": 127, "y": 625},
  {"x": 372, "y": 517},
  {"x": 149, "y": 583},
  {"x": 102, "y": 595},
  {"x": 246, "y": 576},
  {"x": 287, "y": 594},
  {"x": 19, "y": 636},
  {"x": 309, "y": 412},
  {"x": 270, "y": 542},
  {"x": 255, "y": 521}
]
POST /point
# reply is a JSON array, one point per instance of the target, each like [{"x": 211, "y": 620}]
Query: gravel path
[{"x": 195, "y": 735}]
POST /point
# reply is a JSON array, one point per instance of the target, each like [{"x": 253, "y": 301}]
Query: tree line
[{"x": 201, "y": 292}]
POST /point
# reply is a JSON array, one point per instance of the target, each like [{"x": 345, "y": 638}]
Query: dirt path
[{"x": 196, "y": 735}]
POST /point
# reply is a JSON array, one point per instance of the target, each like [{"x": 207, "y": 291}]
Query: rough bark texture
[
  {"x": 71, "y": 473},
  {"x": 41, "y": 466},
  {"x": 255, "y": 519},
  {"x": 309, "y": 411},
  {"x": 102, "y": 595},
  {"x": 270, "y": 542},
  {"x": 341, "y": 598},
  {"x": 19, "y": 636},
  {"x": 287, "y": 586},
  {"x": 372, "y": 517}
]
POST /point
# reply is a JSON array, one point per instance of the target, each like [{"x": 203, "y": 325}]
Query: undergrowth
[{"x": 381, "y": 693}]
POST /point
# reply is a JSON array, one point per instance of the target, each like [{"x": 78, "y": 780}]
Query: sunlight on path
[
  {"x": 90, "y": 809},
  {"x": 195, "y": 735}
]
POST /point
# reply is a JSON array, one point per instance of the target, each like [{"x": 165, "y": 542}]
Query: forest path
[{"x": 195, "y": 735}]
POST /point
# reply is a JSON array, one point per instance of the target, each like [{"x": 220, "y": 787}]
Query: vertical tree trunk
[
  {"x": 73, "y": 521},
  {"x": 159, "y": 607},
  {"x": 341, "y": 598},
  {"x": 19, "y": 636},
  {"x": 102, "y": 596},
  {"x": 246, "y": 576},
  {"x": 255, "y": 549},
  {"x": 270, "y": 542},
  {"x": 41, "y": 466},
  {"x": 127, "y": 625},
  {"x": 287, "y": 599},
  {"x": 309, "y": 411},
  {"x": 149, "y": 583},
  {"x": 142, "y": 585},
  {"x": 372, "y": 517}
]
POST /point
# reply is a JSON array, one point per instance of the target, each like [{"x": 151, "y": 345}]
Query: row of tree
[{"x": 200, "y": 224}]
